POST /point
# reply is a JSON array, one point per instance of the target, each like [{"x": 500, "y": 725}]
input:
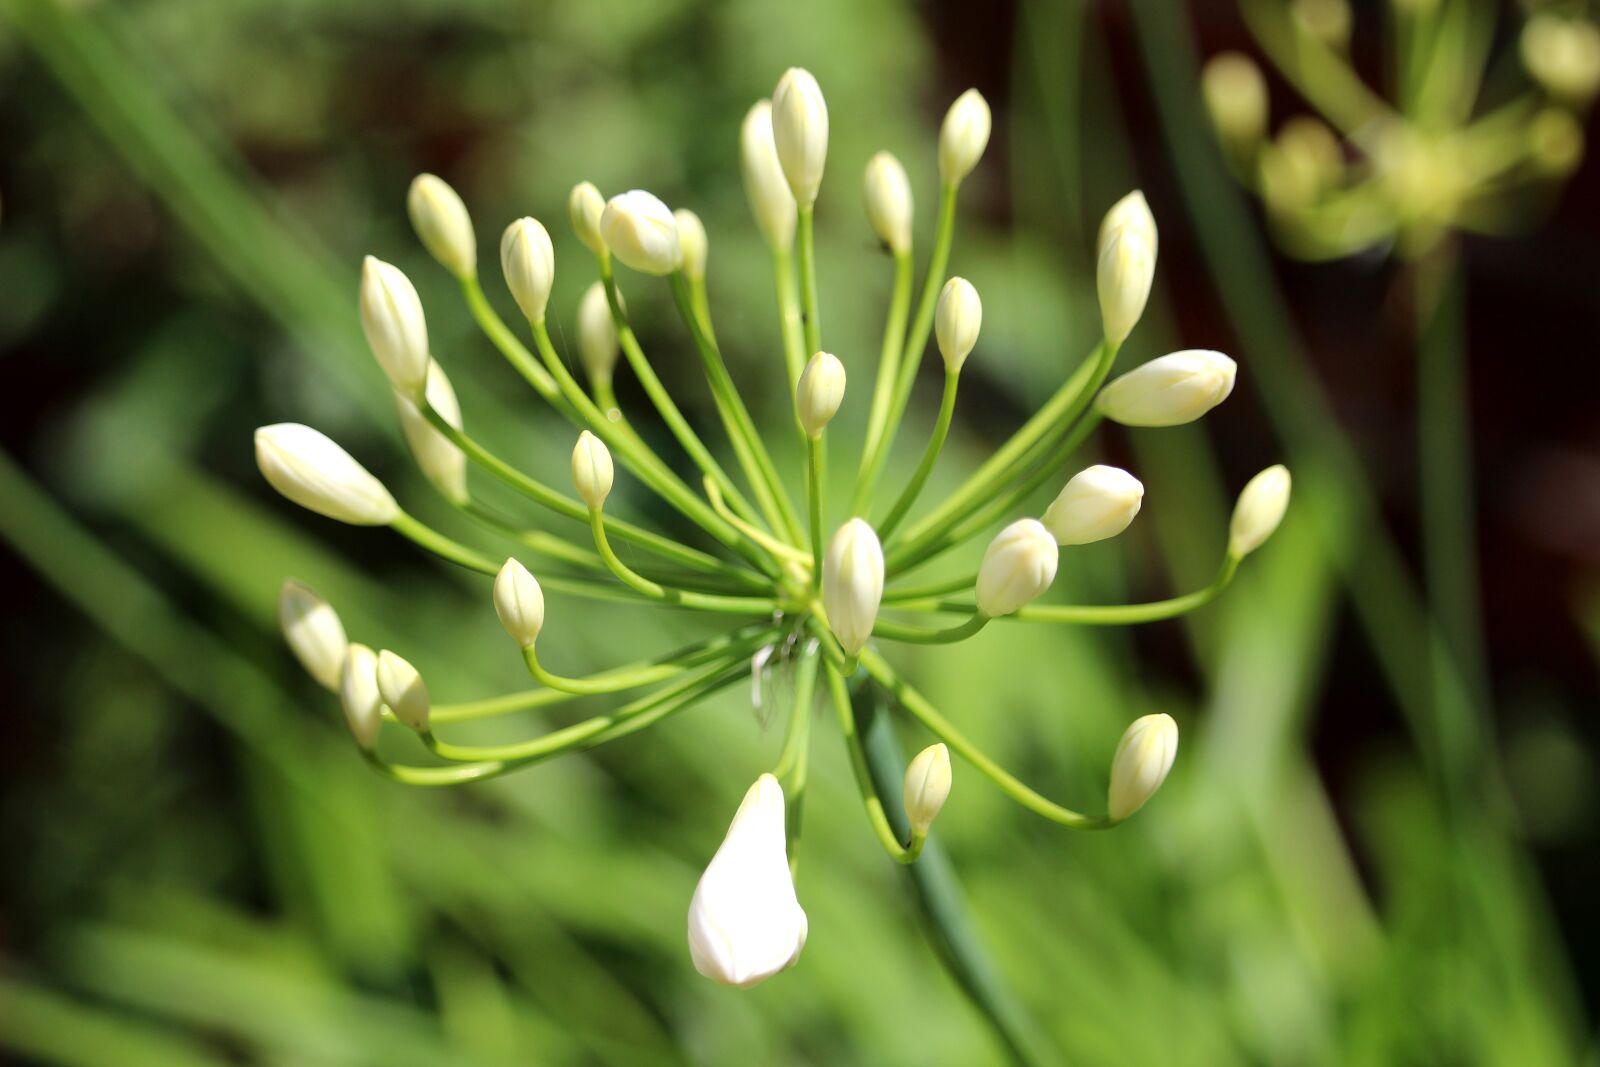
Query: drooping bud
[
  {"x": 640, "y": 230},
  {"x": 964, "y": 136},
  {"x": 1126, "y": 270},
  {"x": 1563, "y": 55},
  {"x": 1259, "y": 510},
  {"x": 956, "y": 322},
  {"x": 314, "y": 633},
  {"x": 519, "y": 602},
  {"x": 888, "y": 193},
  {"x": 1236, "y": 98},
  {"x": 1169, "y": 391},
  {"x": 927, "y": 786},
  {"x": 745, "y": 921},
  {"x": 307, "y": 467},
  {"x": 1142, "y": 760},
  {"x": 592, "y": 472},
  {"x": 852, "y": 583},
  {"x": 585, "y": 205},
  {"x": 693, "y": 243},
  {"x": 441, "y": 462},
  {"x": 597, "y": 335},
  {"x": 800, "y": 132},
  {"x": 528, "y": 259},
  {"x": 1132, "y": 213},
  {"x": 771, "y": 202},
  {"x": 1019, "y": 564},
  {"x": 820, "y": 392},
  {"x": 392, "y": 319},
  {"x": 442, "y": 222},
  {"x": 359, "y": 696},
  {"x": 403, "y": 690},
  {"x": 1099, "y": 502}
]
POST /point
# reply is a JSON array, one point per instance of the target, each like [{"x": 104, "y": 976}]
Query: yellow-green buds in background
[
  {"x": 440, "y": 461},
  {"x": 693, "y": 243},
  {"x": 442, "y": 222},
  {"x": 597, "y": 335},
  {"x": 1098, "y": 502},
  {"x": 403, "y": 690},
  {"x": 956, "y": 322},
  {"x": 1169, "y": 391},
  {"x": 392, "y": 319},
  {"x": 1259, "y": 510},
  {"x": 314, "y": 633},
  {"x": 585, "y": 205},
  {"x": 359, "y": 696},
  {"x": 927, "y": 787},
  {"x": 771, "y": 202},
  {"x": 1555, "y": 141},
  {"x": 528, "y": 260},
  {"x": 306, "y": 466},
  {"x": 888, "y": 196},
  {"x": 1140, "y": 765},
  {"x": 1563, "y": 55},
  {"x": 1305, "y": 160},
  {"x": 852, "y": 583},
  {"x": 1236, "y": 98},
  {"x": 592, "y": 471},
  {"x": 800, "y": 132},
  {"x": 640, "y": 230},
  {"x": 964, "y": 136},
  {"x": 519, "y": 601},
  {"x": 745, "y": 921},
  {"x": 1326, "y": 20},
  {"x": 820, "y": 392},
  {"x": 1126, "y": 269},
  {"x": 1019, "y": 564}
]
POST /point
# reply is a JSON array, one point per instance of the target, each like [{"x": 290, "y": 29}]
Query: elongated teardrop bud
[
  {"x": 1259, "y": 510},
  {"x": 359, "y": 696},
  {"x": 306, "y": 466},
  {"x": 927, "y": 786},
  {"x": 403, "y": 690},
  {"x": 852, "y": 583},
  {"x": 1143, "y": 758},
  {"x": 442, "y": 222},
  {"x": 1131, "y": 213},
  {"x": 392, "y": 319},
  {"x": 956, "y": 322},
  {"x": 964, "y": 136},
  {"x": 1169, "y": 391},
  {"x": 770, "y": 199},
  {"x": 440, "y": 461},
  {"x": 820, "y": 392},
  {"x": 528, "y": 260},
  {"x": 888, "y": 194},
  {"x": 693, "y": 243},
  {"x": 314, "y": 633},
  {"x": 1236, "y": 97},
  {"x": 592, "y": 471},
  {"x": 1126, "y": 271},
  {"x": 800, "y": 132},
  {"x": 519, "y": 601},
  {"x": 585, "y": 205},
  {"x": 597, "y": 335}
]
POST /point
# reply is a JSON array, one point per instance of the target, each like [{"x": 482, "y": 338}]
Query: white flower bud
[
  {"x": 441, "y": 462},
  {"x": 1326, "y": 20},
  {"x": 820, "y": 392},
  {"x": 852, "y": 583},
  {"x": 591, "y": 469},
  {"x": 1099, "y": 502},
  {"x": 1132, "y": 212},
  {"x": 693, "y": 242},
  {"x": 1143, "y": 758},
  {"x": 442, "y": 222},
  {"x": 392, "y": 319},
  {"x": 771, "y": 202},
  {"x": 1236, "y": 97},
  {"x": 519, "y": 602},
  {"x": 1126, "y": 270},
  {"x": 314, "y": 633},
  {"x": 1019, "y": 564},
  {"x": 597, "y": 334},
  {"x": 888, "y": 193},
  {"x": 403, "y": 690},
  {"x": 956, "y": 322},
  {"x": 528, "y": 259},
  {"x": 927, "y": 786},
  {"x": 359, "y": 696},
  {"x": 585, "y": 205},
  {"x": 800, "y": 132},
  {"x": 640, "y": 230},
  {"x": 307, "y": 467},
  {"x": 1259, "y": 510},
  {"x": 964, "y": 136},
  {"x": 1563, "y": 55},
  {"x": 1169, "y": 391},
  {"x": 745, "y": 921}
]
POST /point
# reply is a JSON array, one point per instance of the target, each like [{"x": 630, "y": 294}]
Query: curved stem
[
  {"x": 545, "y": 544},
  {"x": 515, "y": 352},
  {"x": 489, "y": 707},
  {"x": 895, "y": 631},
  {"x": 631, "y": 676},
  {"x": 883, "y": 389},
  {"x": 930, "y": 456},
  {"x": 932, "y": 589},
  {"x": 784, "y": 552},
  {"x": 728, "y": 605},
  {"x": 887, "y": 837},
  {"x": 450, "y": 551}
]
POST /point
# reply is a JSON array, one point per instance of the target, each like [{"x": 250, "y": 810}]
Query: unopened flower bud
[
  {"x": 888, "y": 193},
  {"x": 1259, "y": 510},
  {"x": 770, "y": 199},
  {"x": 397, "y": 332},
  {"x": 307, "y": 467},
  {"x": 441, "y": 462},
  {"x": 1019, "y": 564},
  {"x": 1099, "y": 502},
  {"x": 519, "y": 602},
  {"x": 964, "y": 136},
  {"x": 1143, "y": 758},
  {"x": 1563, "y": 55},
  {"x": 927, "y": 786},
  {"x": 1555, "y": 141},
  {"x": 1131, "y": 213},
  {"x": 956, "y": 322},
  {"x": 800, "y": 132},
  {"x": 442, "y": 222},
  {"x": 1236, "y": 98},
  {"x": 693, "y": 242},
  {"x": 597, "y": 334},
  {"x": 403, "y": 690},
  {"x": 1169, "y": 391},
  {"x": 585, "y": 205},
  {"x": 640, "y": 230},
  {"x": 820, "y": 392},
  {"x": 745, "y": 921},
  {"x": 1127, "y": 268},
  {"x": 1326, "y": 20},
  {"x": 591, "y": 469},
  {"x": 314, "y": 633},
  {"x": 1305, "y": 160},
  {"x": 359, "y": 696},
  {"x": 852, "y": 583},
  {"x": 528, "y": 260}
]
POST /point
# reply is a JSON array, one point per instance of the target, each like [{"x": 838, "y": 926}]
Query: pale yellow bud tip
[
  {"x": 820, "y": 392},
  {"x": 443, "y": 224},
  {"x": 1260, "y": 509},
  {"x": 402, "y": 688},
  {"x": 519, "y": 602},
  {"x": 592, "y": 471},
  {"x": 1141, "y": 763},
  {"x": 927, "y": 786}
]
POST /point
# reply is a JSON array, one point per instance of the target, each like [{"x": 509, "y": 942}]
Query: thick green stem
[
  {"x": 930, "y": 456},
  {"x": 883, "y": 390},
  {"x": 794, "y": 341}
]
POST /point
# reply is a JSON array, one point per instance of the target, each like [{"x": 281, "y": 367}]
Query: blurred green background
[{"x": 1362, "y": 856}]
